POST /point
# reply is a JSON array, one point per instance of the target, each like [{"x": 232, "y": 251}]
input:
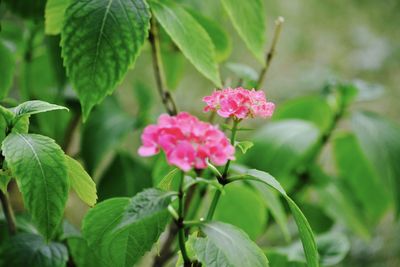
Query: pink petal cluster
[
  {"x": 186, "y": 141},
  {"x": 239, "y": 103}
]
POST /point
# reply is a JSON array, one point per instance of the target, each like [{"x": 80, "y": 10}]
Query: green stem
[
  {"x": 223, "y": 179},
  {"x": 181, "y": 231}
]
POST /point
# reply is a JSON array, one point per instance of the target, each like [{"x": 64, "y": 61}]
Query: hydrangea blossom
[
  {"x": 186, "y": 141},
  {"x": 239, "y": 103}
]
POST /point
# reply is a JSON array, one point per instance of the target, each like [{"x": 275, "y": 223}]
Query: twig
[
  {"x": 268, "y": 58},
  {"x": 165, "y": 95},
  {"x": 8, "y": 213}
]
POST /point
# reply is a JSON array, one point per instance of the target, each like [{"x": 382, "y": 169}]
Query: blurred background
[{"x": 322, "y": 43}]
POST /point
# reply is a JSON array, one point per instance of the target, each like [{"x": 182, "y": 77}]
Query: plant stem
[
  {"x": 181, "y": 228},
  {"x": 223, "y": 179},
  {"x": 8, "y": 213},
  {"x": 269, "y": 56},
  {"x": 165, "y": 95}
]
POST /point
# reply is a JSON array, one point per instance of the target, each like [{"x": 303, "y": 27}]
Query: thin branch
[
  {"x": 271, "y": 53},
  {"x": 165, "y": 95},
  {"x": 8, "y": 213}
]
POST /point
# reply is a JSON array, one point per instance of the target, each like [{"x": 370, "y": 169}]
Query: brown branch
[
  {"x": 270, "y": 55},
  {"x": 165, "y": 95},
  {"x": 8, "y": 213}
]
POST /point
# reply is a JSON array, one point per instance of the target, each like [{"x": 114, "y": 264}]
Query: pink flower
[
  {"x": 186, "y": 141},
  {"x": 239, "y": 103}
]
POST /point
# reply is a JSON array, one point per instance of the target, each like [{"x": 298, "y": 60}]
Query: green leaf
[
  {"x": 104, "y": 131},
  {"x": 54, "y": 15},
  {"x": 124, "y": 177},
  {"x": 150, "y": 202},
  {"x": 275, "y": 207},
  {"x": 310, "y": 108},
  {"x": 38, "y": 164},
  {"x": 33, "y": 107},
  {"x": 246, "y": 74},
  {"x": 281, "y": 146},
  {"x": 332, "y": 247},
  {"x": 219, "y": 37},
  {"x": 338, "y": 202},
  {"x": 305, "y": 232},
  {"x": 81, "y": 182},
  {"x": 120, "y": 247},
  {"x": 226, "y": 245},
  {"x": 83, "y": 256},
  {"x": 166, "y": 183},
  {"x": 189, "y": 36},
  {"x": 99, "y": 49},
  {"x": 244, "y": 145},
  {"x": 249, "y": 20},
  {"x": 174, "y": 63},
  {"x": 355, "y": 170},
  {"x": 237, "y": 200},
  {"x": 31, "y": 250},
  {"x": 7, "y": 66},
  {"x": 379, "y": 139}
]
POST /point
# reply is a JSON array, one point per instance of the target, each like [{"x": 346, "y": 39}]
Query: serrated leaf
[
  {"x": 81, "y": 182},
  {"x": 146, "y": 204},
  {"x": 249, "y": 20},
  {"x": 226, "y": 245},
  {"x": 189, "y": 36},
  {"x": 7, "y": 66},
  {"x": 103, "y": 131},
  {"x": 34, "y": 107},
  {"x": 32, "y": 250},
  {"x": 219, "y": 37},
  {"x": 100, "y": 39},
  {"x": 54, "y": 15},
  {"x": 237, "y": 200},
  {"x": 305, "y": 231},
  {"x": 38, "y": 164},
  {"x": 116, "y": 247}
]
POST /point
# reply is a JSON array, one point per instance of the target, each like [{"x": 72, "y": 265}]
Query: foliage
[{"x": 292, "y": 192}]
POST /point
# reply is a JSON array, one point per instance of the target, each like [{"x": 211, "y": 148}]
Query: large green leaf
[
  {"x": 358, "y": 173},
  {"x": 281, "y": 146},
  {"x": 100, "y": 40},
  {"x": 38, "y": 164},
  {"x": 189, "y": 36},
  {"x": 81, "y": 182},
  {"x": 249, "y": 20},
  {"x": 7, "y": 66},
  {"x": 54, "y": 15},
  {"x": 103, "y": 131},
  {"x": 145, "y": 205},
  {"x": 237, "y": 200},
  {"x": 32, "y": 250},
  {"x": 311, "y": 108},
  {"x": 121, "y": 247},
  {"x": 305, "y": 232},
  {"x": 226, "y": 245},
  {"x": 220, "y": 39},
  {"x": 124, "y": 177},
  {"x": 380, "y": 140}
]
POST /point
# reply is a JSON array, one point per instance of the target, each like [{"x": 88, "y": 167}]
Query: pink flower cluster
[
  {"x": 186, "y": 141},
  {"x": 239, "y": 103}
]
